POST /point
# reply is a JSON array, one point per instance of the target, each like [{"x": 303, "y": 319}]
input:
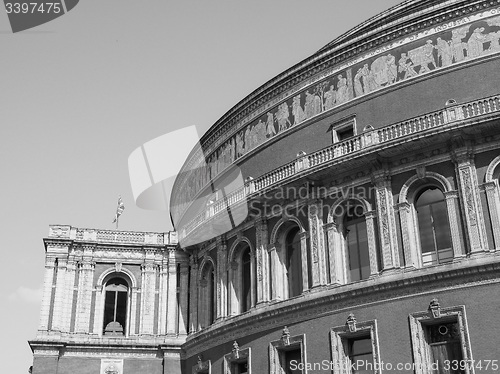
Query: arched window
[
  {"x": 293, "y": 262},
  {"x": 356, "y": 242},
  {"x": 246, "y": 281},
  {"x": 115, "y": 307},
  {"x": 434, "y": 227}
]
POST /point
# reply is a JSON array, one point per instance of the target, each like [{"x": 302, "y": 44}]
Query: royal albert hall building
[{"x": 342, "y": 218}]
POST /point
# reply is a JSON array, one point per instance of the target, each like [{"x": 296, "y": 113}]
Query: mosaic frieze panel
[{"x": 443, "y": 46}]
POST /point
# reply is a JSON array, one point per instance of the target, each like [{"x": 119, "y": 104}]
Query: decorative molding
[
  {"x": 435, "y": 315},
  {"x": 286, "y": 342},
  {"x": 202, "y": 367},
  {"x": 340, "y": 335}
]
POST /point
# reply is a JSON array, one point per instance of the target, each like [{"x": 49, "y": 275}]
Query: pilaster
[
  {"x": 163, "y": 298},
  {"x": 469, "y": 195},
  {"x": 148, "y": 298},
  {"x": 84, "y": 298},
  {"x": 262, "y": 260},
  {"x": 372, "y": 243},
  {"x": 386, "y": 220},
  {"x": 172, "y": 311},
  {"x": 277, "y": 274},
  {"x": 491, "y": 189},
  {"x": 221, "y": 290},
  {"x": 410, "y": 249},
  {"x": 183, "y": 297},
  {"x": 69, "y": 292},
  {"x": 47, "y": 293},
  {"x": 193, "y": 299},
  {"x": 304, "y": 260},
  {"x": 317, "y": 242},
  {"x": 336, "y": 254}
]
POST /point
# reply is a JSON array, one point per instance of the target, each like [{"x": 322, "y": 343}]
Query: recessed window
[
  {"x": 355, "y": 347},
  {"x": 291, "y": 360},
  {"x": 238, "y": 361},
  {"x": 444, "y": 343},
  {"x": 434, "y": 227},
  {"x": 294, "y": 263},
  {"x": 343, "y": 129},
  {"x": 115, "y": 307},
  {"x": 361, "y": 355},
  {"x": 246, "y": 281},
  {"x": 356, "y": 241},
  {"x": 287, "y": 355},
  {"x": 440, "y": 336}
]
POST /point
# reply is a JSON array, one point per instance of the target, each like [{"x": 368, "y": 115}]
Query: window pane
[
  {"x": 441, "y": 225},
  {"x": 291, "y": 360},
  {"x": 294, "y": 263},
  {"x": 109, "y": 307},
  {"x": 425, "y": 229},
  {"x": 246, "y": 280},
  {"x": 121, "y": 308},
  {"x": 361, "y": 356}
]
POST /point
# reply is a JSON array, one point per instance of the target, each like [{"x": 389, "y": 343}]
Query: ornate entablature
[{"x": 444, "y": 46}]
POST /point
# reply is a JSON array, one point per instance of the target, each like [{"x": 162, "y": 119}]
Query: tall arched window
[
  {"x": 246, "y": 281},
  {"x": 293, "y": 262},
  {"x": 115, "y": 307},
  {"x": 434, "y": 227},
  {"x": 356, "y": 242}
]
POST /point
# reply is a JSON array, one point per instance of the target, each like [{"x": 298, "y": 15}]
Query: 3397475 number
[{"x": 24, "y": 8}]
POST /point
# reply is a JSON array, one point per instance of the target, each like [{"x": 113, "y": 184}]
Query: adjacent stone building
[{"x": 364, "y": 236}]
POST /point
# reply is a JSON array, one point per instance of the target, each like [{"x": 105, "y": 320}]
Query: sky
[{"x": 81, "y": 92}]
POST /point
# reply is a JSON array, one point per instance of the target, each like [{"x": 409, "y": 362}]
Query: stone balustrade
[
  {"x": 307, "y": 163},
  {"x": 112, "y": 236}
]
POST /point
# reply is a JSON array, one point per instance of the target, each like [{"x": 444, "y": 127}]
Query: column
[
  {"x": 387, "y": 221},
  {"x": 412, "y": 257},
  {"x": 318, "y": 258},
  {"x": 183, "y": 297},
  {"x": 172, "y": 294},
  {"x": 469, "y": 195},
  {"x": 262, "y": 260},
  {"x": 193, "y": 294},
  {"x": 491, "y": 189},
  {"x": 148, "y": 298},
  {"x": 163, "y": 298},
  {"x": 47, "y": 293},
  {"x": 84, "y": 296},
  {"x": 221, "y": 279}
]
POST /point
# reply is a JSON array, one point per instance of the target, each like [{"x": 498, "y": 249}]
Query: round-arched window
[
  {"x": 115, "y": 307},
  {"x": 434, "y": 227}
]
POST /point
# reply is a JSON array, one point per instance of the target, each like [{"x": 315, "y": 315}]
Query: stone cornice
[{"x": 332, "y": 299}]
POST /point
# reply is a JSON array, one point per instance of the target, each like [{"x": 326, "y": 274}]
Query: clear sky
[{"x": 80, "y": 93}]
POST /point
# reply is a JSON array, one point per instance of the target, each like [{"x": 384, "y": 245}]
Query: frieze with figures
[{"x": 444, "y": 48}]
